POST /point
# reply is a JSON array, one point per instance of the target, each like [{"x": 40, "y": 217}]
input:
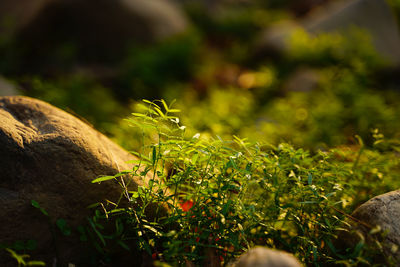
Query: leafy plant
[
  {"x": 223, "y": 197},
  {"x": 22, "y": 259}
]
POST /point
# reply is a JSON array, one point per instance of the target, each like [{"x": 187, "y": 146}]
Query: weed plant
[{"x": 224, "y": 197}]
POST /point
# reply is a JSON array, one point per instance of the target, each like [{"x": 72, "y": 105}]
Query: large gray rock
[
  {"x": 374, "y": 16},
  {"x": 265, "y": 257},
  {"x": 51, "y": 157},
  {"x": 381, "y": 212}
]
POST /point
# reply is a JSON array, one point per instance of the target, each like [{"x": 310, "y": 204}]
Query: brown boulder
[
  {"x": 265, "y": 257},
  {"x": 51, "y": 157}
]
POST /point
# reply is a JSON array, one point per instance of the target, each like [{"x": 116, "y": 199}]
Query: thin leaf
[
  {"x": 159, "y": 112},
  {"x": 165, "y": 105},
  {"x": 102, "y": 179},
  {"x": 154, "y": 155},
  {"x": 122, "y": 244},
  {"x": 36, "y": 263}
]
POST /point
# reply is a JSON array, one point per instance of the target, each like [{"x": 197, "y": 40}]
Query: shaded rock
[
  {"x": 65, "y": 32},
  {"x": 273, "y": 41},
  {"x": 162, "y": 17},
  {"x": 381, "y": 212},
  {"x": 302, "y": 80},
  {"x": 7, "y": 88},
  {"x": 296, "y": 7},
  {"x": 265, "y": 257},
  {"x": 374, "y": 16},
  {"x": 13, "y": 17},
  {"x": 300, "y": 8},
  {"x": 51, "y": 157}
]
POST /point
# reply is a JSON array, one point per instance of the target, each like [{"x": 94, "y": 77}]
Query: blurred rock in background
[
  {"x": 375, "y": 16},
  {"x": 7, "y": 88},
  {"x": 64, "y": 33},
  {"x": 13, "y": 17}
]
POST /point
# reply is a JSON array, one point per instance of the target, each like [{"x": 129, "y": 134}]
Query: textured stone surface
[
  {"x": 382, "y": 211},
  {"x": 264, "y": 257},
  {"x": 51, "y": 157}
]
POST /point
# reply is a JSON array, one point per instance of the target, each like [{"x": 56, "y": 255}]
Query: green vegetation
[
  {"x": 252, "y": 158},
  {"x": 21, "y": 259},
  {"x": 224, "y": 197}
]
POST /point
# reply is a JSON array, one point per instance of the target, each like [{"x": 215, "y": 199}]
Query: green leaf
[
  {"x": 359, "y": 140},
  {"x": 135, "y": 194},
  {"x": 18, "y": 245},
  {"x": 122, "y": 244},
  {"x": 226, "y": 207},
  {"x": 165, "y": 105},
  {"x": 31, "y": 244},
  {"x": 174, "y": 110},
  {"x": 36, "y": 205},
  {"x": 358, "y": 249},
  {"x": 154, "y": 230},
  {"x": 148, "y": 102},
  {"x": 119, "y": 227},
  {"x": 159, "y": 111},
  {"x": 331, "y": 246},
  {"x": 102, "y": 179},
  {"x": 83, "y": 236},
  {"x": 99, "y": 235},
  {"x": 248, "y": 167},
  {"x": 62, "y": 225},
  {"x": 154, "y": 155},
  {"x": 17, "y": 257},
  {"x": 194, "y": 158},
  {"x": 36, "y": 263},
  {"x": 138, "y": 115},
  {"x": 309, "y": 179},
  {"x": 233, "y": 164}
]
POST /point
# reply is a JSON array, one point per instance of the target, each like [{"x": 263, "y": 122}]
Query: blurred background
[{"x": 313, "y": 73}]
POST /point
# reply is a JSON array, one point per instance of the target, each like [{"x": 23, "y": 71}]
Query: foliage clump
[{"x": 224, "y": 197}]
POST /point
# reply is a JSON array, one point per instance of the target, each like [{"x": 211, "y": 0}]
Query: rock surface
[
  {"x": 90, "y": 32},
  {"x": 7, "y": 88},
  {"x": 51, "y": 157},
  {"x": 374, "y": 16},
  {"x": 265, "y": 257},
  {"x": 382, "y": 211},
  {"x": 13, "y": 17},
  {"x": 302, "y": 80}
]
